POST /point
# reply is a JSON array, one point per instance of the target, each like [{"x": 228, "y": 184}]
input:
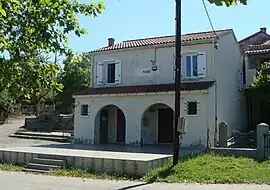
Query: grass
[
  {"x": 207, "y": 168},
  {"x": 85, "y": 174},
  {"x": 10, "y": 167},
  {"x": 210, "y": 168}
]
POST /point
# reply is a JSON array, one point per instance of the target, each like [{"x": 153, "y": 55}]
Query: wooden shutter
[
  {"x": 99, "y": 74},
  {"x": 182, "y": 67},
  {"x": 118, "y": 71},
  {"x": 188, "y": 66},
  {"x": 202, "y": 64}
]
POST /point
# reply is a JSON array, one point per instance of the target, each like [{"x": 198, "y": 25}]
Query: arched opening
[
  {"x": 157, "y": 124},
  {"x": 110, "y": 125}
]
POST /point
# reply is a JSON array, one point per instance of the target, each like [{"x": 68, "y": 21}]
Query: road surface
[
  {"x": 23, "y": 181},
  {"x": 11, "y": 127}
]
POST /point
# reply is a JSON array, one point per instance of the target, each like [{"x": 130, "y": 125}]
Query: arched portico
[
  {"x": 157, "y": 124},
  {"x": 110, "y": 125}
]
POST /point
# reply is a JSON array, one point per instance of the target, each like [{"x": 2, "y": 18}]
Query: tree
[
  {"x": 39, "y": 79},
  {"x": 261, "y": 85},
  {"x": 29, "y": 27},
  {"x": 76, "y": 76},
  {"x": 228, "y": 2}
]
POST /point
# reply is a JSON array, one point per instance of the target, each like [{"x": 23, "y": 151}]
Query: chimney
[
  {"x": 263, "y": 30},
  {"x": 111, "y": 41}
]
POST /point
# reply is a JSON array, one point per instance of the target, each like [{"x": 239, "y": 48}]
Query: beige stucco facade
[
  {"x": 221, "y": 102},
  {"x": 135, "y": 107}
]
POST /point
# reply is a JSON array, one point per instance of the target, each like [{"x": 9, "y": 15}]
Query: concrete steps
[{"x": 44, "y": 163}]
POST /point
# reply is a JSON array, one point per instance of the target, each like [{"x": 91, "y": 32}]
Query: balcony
[{"x": 250, "y": 75}]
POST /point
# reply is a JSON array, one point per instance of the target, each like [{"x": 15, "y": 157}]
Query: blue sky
[{"x": 132, "y": 19}]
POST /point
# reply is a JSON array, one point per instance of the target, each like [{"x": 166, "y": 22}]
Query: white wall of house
[
  {"x": 134, "y": 107},
  {"x": 224, "y": 100},
  {"x": 133, "y": 62},
  {"x": 231, "y": 103}
]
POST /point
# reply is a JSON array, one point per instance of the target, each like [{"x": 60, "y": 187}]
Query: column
[{"x": 262, "y": 129}]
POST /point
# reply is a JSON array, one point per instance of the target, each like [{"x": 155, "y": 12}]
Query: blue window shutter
[
  {"x": 195, "y": 65},
  {"x": 188, "y": 66}
]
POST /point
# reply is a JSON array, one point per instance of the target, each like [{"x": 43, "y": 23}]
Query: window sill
[
  {"x": 197, "y": 115},
  {"x": 84, "y": 116}
]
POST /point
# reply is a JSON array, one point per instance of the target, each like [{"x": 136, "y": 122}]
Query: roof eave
[{"x": 184, "y": 43}]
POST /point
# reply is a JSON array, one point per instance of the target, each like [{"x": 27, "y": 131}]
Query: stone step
[
  {"x": 45, "y": 134},
  {"x": 58, "y": 139},
  {"x": 27, "y": 170},
  {"x": 51, "y": 157},
  {"x": 47, "y": 161},
  {"x": 42, "y": 166}
]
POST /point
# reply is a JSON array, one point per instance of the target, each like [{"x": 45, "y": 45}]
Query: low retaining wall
[
  {"x": 121, "y": 166},
  {"x": 238, "y": 152}
]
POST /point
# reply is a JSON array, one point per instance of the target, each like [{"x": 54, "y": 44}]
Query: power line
[{"x": 209, "y": 19}]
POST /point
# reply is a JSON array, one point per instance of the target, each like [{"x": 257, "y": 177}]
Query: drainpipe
[
  {"x": 154, "y": 67},
  {"x": 215, "y": 89}
]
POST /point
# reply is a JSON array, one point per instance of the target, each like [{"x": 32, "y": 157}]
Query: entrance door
[
  {"x": 165, "y": 125},
  {"x": 121, "y": 127},
  {"x": 104, "y": 126}
]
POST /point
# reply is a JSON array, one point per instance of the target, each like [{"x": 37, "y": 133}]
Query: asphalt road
[
  {"x": 11, "y": 127},
  {"x": 22, "y": 181}
]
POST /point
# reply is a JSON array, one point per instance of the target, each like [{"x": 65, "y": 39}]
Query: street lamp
[{"x": 177, "y": 100}]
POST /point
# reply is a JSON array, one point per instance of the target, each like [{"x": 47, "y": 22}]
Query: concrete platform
[{"x": 122, "y": 163}]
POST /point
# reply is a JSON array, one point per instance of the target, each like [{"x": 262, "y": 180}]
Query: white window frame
[
  {"x": 105, "y": 72},
  {"x": 187, "y": 106},
  {"x": 191, "y": 65},
  {"x": 81, "y": 110}
]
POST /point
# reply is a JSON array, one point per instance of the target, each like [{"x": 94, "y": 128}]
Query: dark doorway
[
  {"x": 104, "y": 126},
  {"x": 165, "y": 125},
  {"x": 264, "y": 112},
  {"x": 121, "y": 127}
]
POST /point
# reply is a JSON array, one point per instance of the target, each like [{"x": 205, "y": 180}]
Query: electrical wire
[{"x": 209, "y": 19}]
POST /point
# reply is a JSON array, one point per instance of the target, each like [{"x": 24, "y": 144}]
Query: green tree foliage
[
  {"x": 228, "y": 2},
  {"x": 76, "y": 76},
  {"x": 30, "y": 25},
  {"x": 29, "y": 28},
  {"x": 39, "y": 79},
  {"x": 261, "y": 85}
]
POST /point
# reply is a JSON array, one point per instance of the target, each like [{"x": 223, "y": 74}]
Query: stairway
[{"x": 45, "y": 163}]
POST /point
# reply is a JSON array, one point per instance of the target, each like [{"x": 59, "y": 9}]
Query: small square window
[
  {"x": 84, "y": 110},
  {"x": 192, "y": 108}
]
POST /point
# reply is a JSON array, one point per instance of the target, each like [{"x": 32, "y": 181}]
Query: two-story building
[
  {"x": 256, "y": 50},
  {"x": 131, "y": 100}
]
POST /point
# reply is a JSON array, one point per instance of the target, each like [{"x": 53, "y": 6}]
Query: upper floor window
[
  {"x": 111, "y": 73},
  {"x": 108, "y": 72},
  {"x": 194, "y": 65}
]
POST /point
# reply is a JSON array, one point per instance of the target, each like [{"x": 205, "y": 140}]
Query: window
[
  {"x": 108, "y": 72},
  {"x": 84, "y": 110},
  {"x": 111, "y": 73},
  {"x": 192, "y": 66},
  {"x": 192, "y": 108}
]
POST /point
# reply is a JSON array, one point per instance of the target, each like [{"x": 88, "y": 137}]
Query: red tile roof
[
  {"x": 163, "y": 40},
  {"x": 258, "y": 51},
  {"x": 146, "y": 88}
]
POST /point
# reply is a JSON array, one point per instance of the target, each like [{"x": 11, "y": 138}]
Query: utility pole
[
  {"x": 55, "y": 61},
  {"x": 177, "y": 100}
]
